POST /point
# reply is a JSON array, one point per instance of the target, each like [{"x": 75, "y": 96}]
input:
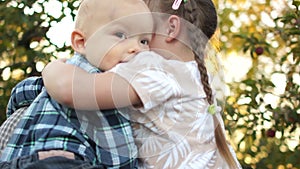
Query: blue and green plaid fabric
[{"x": 103, "y": 137}]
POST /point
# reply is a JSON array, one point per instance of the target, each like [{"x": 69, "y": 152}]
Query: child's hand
[
  {"x": 70, "y": 85},
  {"x": 57, "y": 77},
  {"x": 53, "y": 69},
  {"x": 76, "y": 88},
  {"x": 61, "y": 60}
]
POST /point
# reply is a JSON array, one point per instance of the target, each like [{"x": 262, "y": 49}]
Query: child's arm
[{"x": 76, "y": 88}]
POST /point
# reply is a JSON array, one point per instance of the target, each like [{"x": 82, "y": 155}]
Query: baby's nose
[{"x": 135, "y": 48}]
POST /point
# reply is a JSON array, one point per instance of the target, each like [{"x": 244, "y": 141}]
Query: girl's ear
[
  {"x": 173, "y": 28},
  {"x": 78, "y": 42}
]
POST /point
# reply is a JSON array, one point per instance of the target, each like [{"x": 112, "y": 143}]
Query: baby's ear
[
  {"x": 173, "y": 28},
  {"x": 78, "y": 42}
]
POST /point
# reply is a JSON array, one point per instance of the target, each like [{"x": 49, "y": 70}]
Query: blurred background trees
[
  {"x": 260, "y": 48},
  {"x": 25, "y": 46},
  {"x": 263, "y": 109}
]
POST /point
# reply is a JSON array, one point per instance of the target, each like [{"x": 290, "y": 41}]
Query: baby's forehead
[
  {"x": 130, "y": 18},
  {"x": 130, "y": 25},
  {"x": 108, "y": 10},
  {"x": 115, "y": 8},
  {"x": 94, "y": 14}
]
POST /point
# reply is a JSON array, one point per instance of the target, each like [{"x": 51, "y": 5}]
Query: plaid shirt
[{"x": 102, "y": 137}]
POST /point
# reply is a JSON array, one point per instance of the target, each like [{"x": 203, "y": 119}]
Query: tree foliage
[
  {"x": 262, "y": 110},
  {"x": 24, "y": 46}
]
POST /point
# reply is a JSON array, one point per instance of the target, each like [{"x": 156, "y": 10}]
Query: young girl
[{"x": 173, "y": 114}]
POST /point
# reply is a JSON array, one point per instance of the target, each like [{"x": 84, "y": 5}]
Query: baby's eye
[
  {"x": 120, "y": 35},
  {"x": 145, "y": 42}
]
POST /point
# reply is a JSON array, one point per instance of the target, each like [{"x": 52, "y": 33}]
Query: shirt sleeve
[
  {"x": 24, "y": 93},
  {"x": 147, "y": 75}
]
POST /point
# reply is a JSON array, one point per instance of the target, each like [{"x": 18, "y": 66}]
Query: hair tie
[
  {"x": 212, "y": 109},
  {"x": 177, "y": 3}
]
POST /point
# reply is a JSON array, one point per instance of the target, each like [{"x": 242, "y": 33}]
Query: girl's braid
[
  {"x": 219, "y": 134},
  {"x": 199, "y": 39},
  {"x": 204, "y": 79}
]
